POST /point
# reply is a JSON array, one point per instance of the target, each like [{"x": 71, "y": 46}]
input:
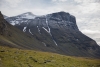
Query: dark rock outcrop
[{"x": 3, "y": 26}]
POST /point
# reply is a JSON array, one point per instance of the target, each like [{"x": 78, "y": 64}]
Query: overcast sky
[{"x": 85, "y": 11}]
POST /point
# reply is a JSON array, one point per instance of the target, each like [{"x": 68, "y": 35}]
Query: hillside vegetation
[{"x": 13, "y": 57}]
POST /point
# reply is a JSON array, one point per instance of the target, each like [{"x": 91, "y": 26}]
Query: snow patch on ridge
[
  {"x": 27, "y": 15},
  {"x": 51, "y": 36},
  {"x": 13, "y": 23},
  {"x": 47, "y": 25},
  {"x": 38, "y": 30},
  {"x": 45, "y": 29},
  {"x": 24, "y": 30},
  {"x": 44, "y": 43},
  {"x": 55, "y": 42},
  {"x": 30, "y": 31},
  {"x": 48, "y": 31}
]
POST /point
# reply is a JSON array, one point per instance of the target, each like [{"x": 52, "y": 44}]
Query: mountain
[
  {"x": 58, "y": 31},
  {"x": 21, "y": 18}
]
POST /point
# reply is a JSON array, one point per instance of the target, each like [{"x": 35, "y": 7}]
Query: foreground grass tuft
[{"x": 12, "y": 57}]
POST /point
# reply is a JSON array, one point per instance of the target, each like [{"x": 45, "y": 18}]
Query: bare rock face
[{"x": 59, "y": 32}]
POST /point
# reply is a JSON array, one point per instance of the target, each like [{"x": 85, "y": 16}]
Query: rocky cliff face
[
  {"x": 59, "y": 32},
  {"x": 3, "y": 26}
]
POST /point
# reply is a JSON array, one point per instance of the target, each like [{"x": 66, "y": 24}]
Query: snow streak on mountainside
[{"x": 24, "y": 30}]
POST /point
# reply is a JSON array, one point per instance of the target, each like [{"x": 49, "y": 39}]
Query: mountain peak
[
  {"x": 27, "y": 15},
  {"x": 63, "y": 16},
  {"x": 62, "y": 13}
]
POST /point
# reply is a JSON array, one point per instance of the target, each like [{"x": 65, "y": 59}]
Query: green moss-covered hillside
[{"x": 12, "y": 57}]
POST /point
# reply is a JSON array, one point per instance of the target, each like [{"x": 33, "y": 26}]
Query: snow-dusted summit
[
  {"x": 22, "y": 18},
  {"x": 27, "y": 15}
]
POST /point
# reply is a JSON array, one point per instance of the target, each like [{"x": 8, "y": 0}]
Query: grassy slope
[{"x": 12, "y": 57}]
